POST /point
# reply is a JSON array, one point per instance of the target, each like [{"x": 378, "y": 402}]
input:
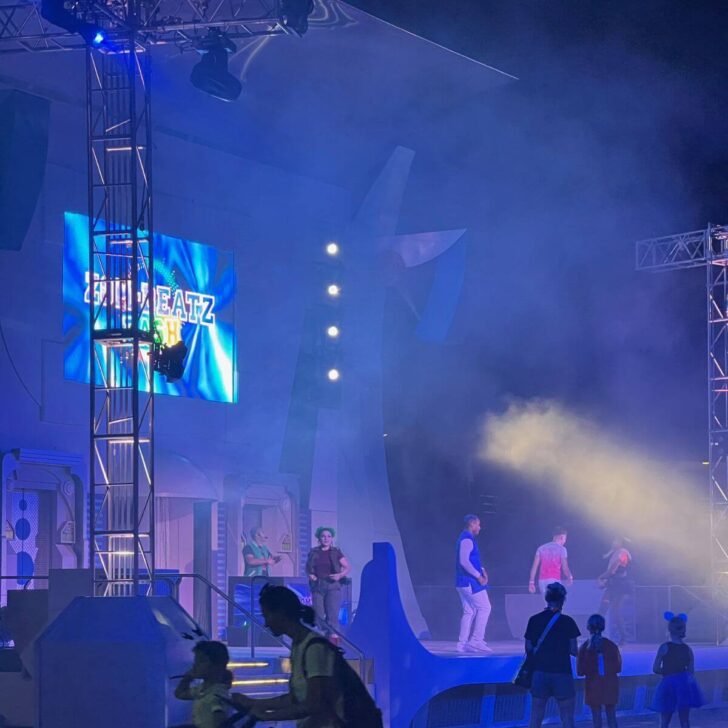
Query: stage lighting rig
[
  {"x": 211, "y": 74},
  {"x": 294, "y": 16},
  {"x": 170, "y": 360},
  {"x": 69, "y": 16}
]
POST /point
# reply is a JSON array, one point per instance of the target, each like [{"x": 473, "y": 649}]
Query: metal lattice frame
[
  {"x": 707, "y": 248},
  {"x": 121, "y": 309},
  {"x": 156, "y": 22}
]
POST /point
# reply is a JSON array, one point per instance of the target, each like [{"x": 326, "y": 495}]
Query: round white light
[
  {"x": 333, "y": 290},
  {"x": 333, "y": 375},
  {"x": 332, "y": 332},
  {"x": 332, "y": 248}
]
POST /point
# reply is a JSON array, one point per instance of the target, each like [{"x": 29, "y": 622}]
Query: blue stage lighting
[{"x": 56, "y": 12}]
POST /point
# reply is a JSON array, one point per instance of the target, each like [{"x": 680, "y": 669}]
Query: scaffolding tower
[
  {"x": 121, "y": 310},
  {"x": 709, "y": 249}
]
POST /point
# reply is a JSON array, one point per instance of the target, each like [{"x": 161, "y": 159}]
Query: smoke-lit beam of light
[{"x": 619, "y": 489}]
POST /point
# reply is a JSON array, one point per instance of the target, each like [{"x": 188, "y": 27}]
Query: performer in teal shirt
[{"x": 257, "y": 556}]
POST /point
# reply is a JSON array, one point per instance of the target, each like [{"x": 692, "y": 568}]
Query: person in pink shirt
[{"x": 551, "y": 562}]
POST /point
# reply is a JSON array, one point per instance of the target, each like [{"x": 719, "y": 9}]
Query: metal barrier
[
  {"x": 348, "y": 644},
  {"x": 176, "y": 578},
  {"x": 20, "y": 587}
]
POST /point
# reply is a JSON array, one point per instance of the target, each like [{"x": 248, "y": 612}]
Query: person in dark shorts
[{"x": 552, "y": 674}]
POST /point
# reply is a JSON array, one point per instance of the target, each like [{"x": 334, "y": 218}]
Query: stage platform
[
  {"x": 428, "y": 684},
  {"x": 502, "y": 663},
  {"x": 636, "y": 658}
]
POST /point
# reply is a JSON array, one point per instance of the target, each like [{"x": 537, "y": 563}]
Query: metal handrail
[
  {"x": 24, "y": 577},
  {"x": 253, "y": 619},
  {"x": 689, "y": 590},
  {"x": 360, "y": 655},
  {"x": 718, "y": 613}
]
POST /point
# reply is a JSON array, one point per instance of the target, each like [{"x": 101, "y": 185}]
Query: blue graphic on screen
[{"x": 194, "y": 301}]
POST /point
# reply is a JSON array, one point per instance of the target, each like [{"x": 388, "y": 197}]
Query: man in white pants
[{"x": 471, "y": 580}]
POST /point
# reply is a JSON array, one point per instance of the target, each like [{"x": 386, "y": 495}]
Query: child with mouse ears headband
[{"x": 678, "y": 690}]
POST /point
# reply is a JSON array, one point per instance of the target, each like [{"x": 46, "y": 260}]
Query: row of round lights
[{"x": 334, "y": 291}]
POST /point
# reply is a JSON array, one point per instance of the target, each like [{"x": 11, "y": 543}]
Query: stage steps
[
  {"x": 267, "y": 676},
  {"x": 260, "y": 677}
]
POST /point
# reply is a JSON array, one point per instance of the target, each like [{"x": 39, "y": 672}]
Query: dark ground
[{"x": 698, "y": 719}]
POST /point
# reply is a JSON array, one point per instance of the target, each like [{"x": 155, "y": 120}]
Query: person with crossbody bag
[{"x": 550, "y": 641}]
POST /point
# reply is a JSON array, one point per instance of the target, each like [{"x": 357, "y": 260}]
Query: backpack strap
[
  {"x": 551, "y": 623},
  {"x": 319, "y": 641}
]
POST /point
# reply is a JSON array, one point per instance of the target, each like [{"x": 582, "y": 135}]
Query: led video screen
[{"x": 194, "y": 291}]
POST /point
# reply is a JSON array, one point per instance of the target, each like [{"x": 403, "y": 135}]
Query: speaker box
[{"x": 24, "y": 121}]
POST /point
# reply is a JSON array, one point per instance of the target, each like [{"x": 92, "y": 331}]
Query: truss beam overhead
[{"x": 182, "y": 23}]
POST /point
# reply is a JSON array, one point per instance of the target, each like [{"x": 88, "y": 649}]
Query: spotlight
[
  {"x": 170, "y": 360},
  {"x": 211, "y": 73},
  {"x": 294, "y": 15},
  {"x": 55, "y": 11},
  {"x": 332, "y": 249},
  {"x": 333, "y": 332},
  {"x": 333, "y": 290},
  {"x": 334, "y": 375}
]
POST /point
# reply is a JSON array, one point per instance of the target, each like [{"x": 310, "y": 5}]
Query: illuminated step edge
[{"x": 261, "y": 681}]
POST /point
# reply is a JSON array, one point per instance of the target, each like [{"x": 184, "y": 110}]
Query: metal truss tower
[
  {"x": 121, "y": 308},
  {"x": 707, "y": 248},
  {"x": 121, "y": 243}
]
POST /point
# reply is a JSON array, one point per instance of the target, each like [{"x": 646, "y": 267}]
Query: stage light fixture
[
  {"x": 333, "y": 290},
  {"x": 333, "y": 332},
  {"x": 334, "y": 375},
  {"x": 294, "y": 15},
  {"x": 332, "y": 249},
  {"x": 170, "y": 360},
  {"x": 211, "y": 74},
  {"x": 56, "y": 12}
]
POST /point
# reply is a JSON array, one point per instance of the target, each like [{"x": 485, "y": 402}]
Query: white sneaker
[
  {"x": 460, "y": 647},
  {"x": 479, "y": 647}
]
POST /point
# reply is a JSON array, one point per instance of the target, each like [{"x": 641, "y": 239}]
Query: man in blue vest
[{"x": 471, "y": 581}]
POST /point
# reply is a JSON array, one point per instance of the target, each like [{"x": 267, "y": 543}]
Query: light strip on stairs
[{"x": 262, "y": 681}]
